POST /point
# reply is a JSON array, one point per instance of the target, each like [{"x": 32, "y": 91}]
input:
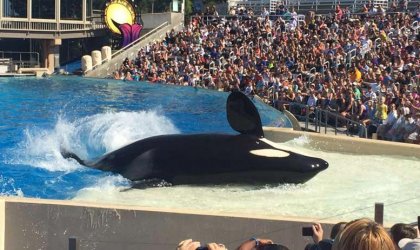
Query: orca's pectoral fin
[
  {"x": 66, "y": 155},
  {"x": 242, "y": 115}
]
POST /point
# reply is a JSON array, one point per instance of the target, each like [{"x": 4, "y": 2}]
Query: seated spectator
[
  {"x": 412, "y": 129},
  {"x": 381, "y": 111},
  {"x": 396, "y": 131},
  {"x": 409, "y": 244},
  {"x": 363, "y": 234},
  {"x": 400, "y": 231},
  {"x": 323, "y": 54},
  {"x": 387, "y": 124},
  {"x": 369, "y": 116}
]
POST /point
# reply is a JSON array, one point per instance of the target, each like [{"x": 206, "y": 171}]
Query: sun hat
[{"x": 409, "y": 244}]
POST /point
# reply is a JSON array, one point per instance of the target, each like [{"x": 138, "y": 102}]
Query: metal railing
[
  {"x": 124, "y": 49},
  {"x": 21, "y": 59},
  {"x": 49, "y": 25},
  {"x": 207, "y": 19},
  {"x": 140, "y": 38},
  {"x": 322, "y": 5},
  {"x": 324, "y": 119}
]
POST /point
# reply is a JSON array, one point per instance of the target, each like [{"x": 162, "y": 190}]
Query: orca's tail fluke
[{"x": 66, "y": 154}]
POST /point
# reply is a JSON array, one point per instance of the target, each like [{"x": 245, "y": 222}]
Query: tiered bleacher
[{"x": 362, "y": 67}]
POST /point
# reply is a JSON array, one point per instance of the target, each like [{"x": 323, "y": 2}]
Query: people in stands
[
  {"x": 388, "y": 123},
  {"x": 413, "y": 135},
  {"x": 381, "y": 111},
  {"x": 373, "y": 55}
]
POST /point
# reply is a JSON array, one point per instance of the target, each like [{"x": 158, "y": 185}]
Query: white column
[
  {"x": 183, "y": 7},
  {"x": 1, "y": 8},
  {"x": 29, "y": 8},
  {"x": 84, "y": 11},
  {"x": 58, "y": 13}
]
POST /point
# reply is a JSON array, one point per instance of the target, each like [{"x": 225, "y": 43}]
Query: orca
[{"x": 244, "y": 158}]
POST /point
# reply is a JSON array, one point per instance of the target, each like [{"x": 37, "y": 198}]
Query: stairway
[{"x": 106, "y": 69}]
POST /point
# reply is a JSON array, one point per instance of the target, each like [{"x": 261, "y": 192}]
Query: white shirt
[
  {"x": 248, "y": 90},
  {"x": 392, "y": 118},
  {"x": 312, "y": 101},
  {"x": 371, "y": 94}
]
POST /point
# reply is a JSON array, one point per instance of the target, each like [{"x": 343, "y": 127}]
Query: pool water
[
  {"x": 95, "y": 116},
  {"x": 92, "y": 117}
]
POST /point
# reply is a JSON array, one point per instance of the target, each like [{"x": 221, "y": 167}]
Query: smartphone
[
  {"x": 307, "y": 231},
  {"x": 202, "y": 248},
  {"x": 418, "y": 222}
]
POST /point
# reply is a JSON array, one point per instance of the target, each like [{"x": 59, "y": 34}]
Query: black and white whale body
[{"x": 246, "y": 158}]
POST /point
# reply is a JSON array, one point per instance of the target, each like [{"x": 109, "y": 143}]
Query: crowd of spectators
[
  {"x": 362, "y": 66},
  {"x": 360, "y": 234}
]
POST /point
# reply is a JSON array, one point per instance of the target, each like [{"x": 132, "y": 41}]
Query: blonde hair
[{"x": 363, "y": 234}]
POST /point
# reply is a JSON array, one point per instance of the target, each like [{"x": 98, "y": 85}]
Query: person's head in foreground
[
  {"x": 363, "y": 234},
  {"x": 400, "y": 231}
]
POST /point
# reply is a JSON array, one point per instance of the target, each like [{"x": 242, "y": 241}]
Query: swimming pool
[{"x": 93, "y": 116}]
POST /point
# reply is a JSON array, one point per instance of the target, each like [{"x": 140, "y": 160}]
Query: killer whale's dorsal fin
[{"x": 242, "y": 115}]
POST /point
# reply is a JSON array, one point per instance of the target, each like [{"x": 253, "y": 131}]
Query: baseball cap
[{"x": 409, "y": 244}]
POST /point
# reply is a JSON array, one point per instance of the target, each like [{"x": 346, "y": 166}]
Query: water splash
[
  {"x": 88, "y": 137},
  {"x": 7, "y": 187}
]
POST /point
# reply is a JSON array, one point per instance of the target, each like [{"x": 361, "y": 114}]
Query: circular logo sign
[{"x": 119, "y": 12}]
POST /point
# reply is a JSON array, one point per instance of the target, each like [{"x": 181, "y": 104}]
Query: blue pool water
[{"x": 91, "y": 117}]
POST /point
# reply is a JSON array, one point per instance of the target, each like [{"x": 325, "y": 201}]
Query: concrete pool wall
[
  {"x": 345, "y": 144},
  {"x": 50, "y": 224},
  {"x": 46, "y": 224}
]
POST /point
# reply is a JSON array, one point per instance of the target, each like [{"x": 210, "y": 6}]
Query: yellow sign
[{"x": 119, "y": 12}]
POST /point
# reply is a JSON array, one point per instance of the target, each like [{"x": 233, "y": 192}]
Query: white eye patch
[
  {"x": 282, "y": 147},
  {"x": 270, "y": 153}
]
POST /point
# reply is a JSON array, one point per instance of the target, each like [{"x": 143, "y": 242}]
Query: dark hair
[
  {"x": 272, "y": 247},
  {"x": 336, "y": 229},
  {"x": 400, "y": 231}
]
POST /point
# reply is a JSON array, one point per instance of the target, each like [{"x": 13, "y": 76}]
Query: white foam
[
  {"x": 110, "y": 131},
  {"x": 7, "y": 187},
  {"x": 88, "y": 137}
]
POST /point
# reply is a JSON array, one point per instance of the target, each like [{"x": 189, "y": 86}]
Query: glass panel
[
  {"x": 71, "y": 9},
  {"x": 15, "y": 8},
  {"x": 44, "y": 9}
]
